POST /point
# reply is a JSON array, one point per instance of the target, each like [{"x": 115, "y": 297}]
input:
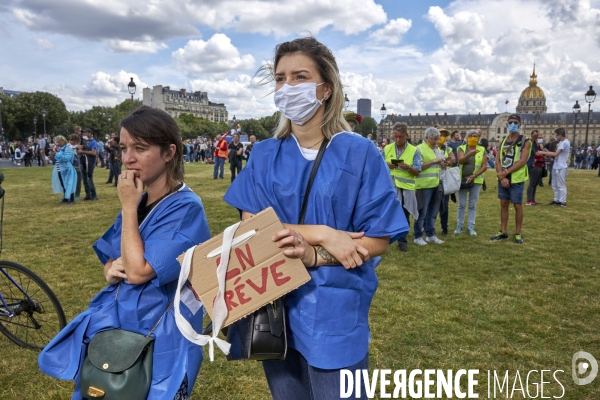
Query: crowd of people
[{"x": 342, "y": 202}]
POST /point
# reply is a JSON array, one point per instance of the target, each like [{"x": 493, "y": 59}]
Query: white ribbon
[
  {"x": 219, "y": 308},
  {"x": 236, "y": 242}
]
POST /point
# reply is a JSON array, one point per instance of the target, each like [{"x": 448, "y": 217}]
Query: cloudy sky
[{"x": 415, "y": 56}]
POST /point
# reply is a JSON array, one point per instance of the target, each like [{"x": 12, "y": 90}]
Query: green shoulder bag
[{"x": 118, "y": 365}]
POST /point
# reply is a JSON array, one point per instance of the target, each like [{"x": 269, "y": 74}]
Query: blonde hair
[{"x": 333, "y": 120}]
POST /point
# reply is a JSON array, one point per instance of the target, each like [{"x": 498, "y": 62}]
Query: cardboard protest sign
[{"x": 258, "y": 272}]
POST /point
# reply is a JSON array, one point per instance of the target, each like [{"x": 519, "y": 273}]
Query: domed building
[{"x": 533, "y": 99}]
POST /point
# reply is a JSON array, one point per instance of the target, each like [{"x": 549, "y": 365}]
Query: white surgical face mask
[
  {"x": 298, "y": 103},
  {"x": 540, "y": 141}
]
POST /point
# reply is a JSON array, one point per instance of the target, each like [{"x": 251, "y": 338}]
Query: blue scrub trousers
[
  {"x": 427, "y": 213},
  {"x": 294, "y": 378}
]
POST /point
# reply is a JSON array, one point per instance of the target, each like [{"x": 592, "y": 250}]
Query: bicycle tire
[{"x": 42, "y": 308}]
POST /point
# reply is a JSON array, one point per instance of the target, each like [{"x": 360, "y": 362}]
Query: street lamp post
[
  {"x": 346, "y": 101},
  {"x": 576, "y": 111},
  {"x": 34, "y": 126},
  {"x": 44, "y": 116},
  {"x": 383, "y": 111},
  {"x": 109, "y": 119},
  {"x": 131, "y": 87},
  {"x": 590, "y": 96}
]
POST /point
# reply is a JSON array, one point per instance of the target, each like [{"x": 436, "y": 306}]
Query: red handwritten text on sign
[{"x": 243, "y": 291}]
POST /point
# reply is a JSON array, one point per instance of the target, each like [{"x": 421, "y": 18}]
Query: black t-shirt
[
  {"x": 233, "y": 149},
  {"x": 143, "y": 209}
]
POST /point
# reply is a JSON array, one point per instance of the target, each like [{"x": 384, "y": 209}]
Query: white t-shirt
[{"x": 560, "y": 162}]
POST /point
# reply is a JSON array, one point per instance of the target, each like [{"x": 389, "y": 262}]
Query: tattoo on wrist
[{"x": 325, "y": 255}]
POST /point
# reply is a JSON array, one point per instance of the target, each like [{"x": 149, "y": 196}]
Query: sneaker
[
  {"x": 76, "y": 197},
  {"x": 458, "y": 231},
  {"x": 518, "y": 239},
  {"x": 445, "y": 232},
  {"x": 403, "y": 247},
  {"x": 434, "y": 239},
  {"x": 529, "y": 203},
  {"x": 87, "y": 198},
  {"x": 108, "y": 183},
  {"x": 552, "y": 203},
  {"x": 71, "y": 203},
  {"x": 95, "y": 198},
  {"x": 420, "y": 242},
  {"x": 472, "y": 232},
  {"x": 535, "y": 203},
  {"x": 499, "y": 236},
  {"x": 562, "y": 204}
]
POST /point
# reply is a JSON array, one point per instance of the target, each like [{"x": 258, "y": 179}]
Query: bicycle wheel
[{"x": 38, "y": 316}]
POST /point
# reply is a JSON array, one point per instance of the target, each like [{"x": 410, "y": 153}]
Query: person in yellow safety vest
[
  {"x": 404, "y": 161},
  {"x": 428, "y": 196},
  {"x": 511, "y": 168},
  {"x": 472, "y": 160},
  {"x": 449, "y": 155}
]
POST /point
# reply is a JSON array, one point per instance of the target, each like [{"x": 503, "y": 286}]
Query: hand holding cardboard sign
[{"x": 293, "y": 245}]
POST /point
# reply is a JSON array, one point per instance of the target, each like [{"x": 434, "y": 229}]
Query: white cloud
[
  {"x": 163, "y": 20},
  {"x": 127, "y": 46},
  {"x": 216, "y": 55},
  {"x": 239, "y": 95},
  {"x": 462, "y": 26},
  {"x": 393, "y": 31},
  {"x": 104, "y": 84},
  {"x": 45, "y": 44}
]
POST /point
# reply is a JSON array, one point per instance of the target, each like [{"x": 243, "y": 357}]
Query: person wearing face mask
[
  {"x": 450, "y": 158},
  {"x": 428, "y": 195},
  {"x": 537, "y": 167},
  {"x": 472, "y": 160},
  {"x": 404, "y": 161},
  {"x": 512, "y": 173},
  {"x": 352, "y": 215}
]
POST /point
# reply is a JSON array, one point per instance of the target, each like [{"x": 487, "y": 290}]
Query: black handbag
[
  {"x": 544, "y": 172},
  {"x": 262, "y": 335},
  {"x": 118, "y": 364},
  {"x": 465, "y": 185}
]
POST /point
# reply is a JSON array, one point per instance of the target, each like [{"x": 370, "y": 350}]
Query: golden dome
[{"x": 533, "y": 91}]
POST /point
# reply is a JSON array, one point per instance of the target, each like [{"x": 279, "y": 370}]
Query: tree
[
  {"x": 270, "y": 122},
  {"x": 254, "y": 127},
  {"x": 368, "y": 126},
  {"x": 18, "y": 114}
]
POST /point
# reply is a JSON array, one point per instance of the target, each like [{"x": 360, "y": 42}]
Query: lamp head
[
  {"x": 131, "y": 87},
  {"x": 44, "y": 113},
  {"x": 576, "y": 107},
  {"x": 590, "y": 96},
  {"x": 383, "y": 110}
]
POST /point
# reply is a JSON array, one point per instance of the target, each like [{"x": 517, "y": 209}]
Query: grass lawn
[{"x": 467, "y": 304}]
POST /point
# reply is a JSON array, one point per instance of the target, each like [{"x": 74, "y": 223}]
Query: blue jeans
[
  {"x": 219, "y": 164},
  {"x": 427, "y": 213},
  {"x": 462, "y": 205},
  {"x": 294, "y": 378}
]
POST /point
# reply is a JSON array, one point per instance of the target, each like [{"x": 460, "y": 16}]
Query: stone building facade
[
  {"x": 177, "y": 102},
  {"x": 532, "y": 109}
]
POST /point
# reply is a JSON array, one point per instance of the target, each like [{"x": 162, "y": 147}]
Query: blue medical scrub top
[
  {"x": 177, "y": 223},
  {"x": 352, "y": 191}
]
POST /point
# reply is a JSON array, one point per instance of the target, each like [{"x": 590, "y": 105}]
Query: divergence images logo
[{"x": 582, "y": 364}]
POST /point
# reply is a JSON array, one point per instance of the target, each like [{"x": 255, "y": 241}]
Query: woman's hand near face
[{"x": 130, "y": 189}]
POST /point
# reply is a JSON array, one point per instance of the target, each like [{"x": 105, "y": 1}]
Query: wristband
[{"x": 316, "y": 257}]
